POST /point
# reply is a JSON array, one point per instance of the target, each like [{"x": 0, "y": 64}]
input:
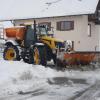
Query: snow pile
[
  {"x": 19, "y": 76},
  {"x": 16, "y": 76}
]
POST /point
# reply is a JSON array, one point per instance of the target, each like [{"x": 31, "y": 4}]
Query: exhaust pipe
[{"x": 35, "y": 35}]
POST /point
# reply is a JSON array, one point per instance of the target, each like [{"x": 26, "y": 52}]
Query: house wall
[
  {"x": 97, "y": 30},
  {"x": 82, "y": 42}
]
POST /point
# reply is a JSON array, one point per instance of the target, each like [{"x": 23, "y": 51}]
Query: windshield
[{"x": 41, "y": 30}]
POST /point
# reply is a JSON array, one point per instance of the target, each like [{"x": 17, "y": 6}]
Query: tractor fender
[{"x": 11, "y": 42}]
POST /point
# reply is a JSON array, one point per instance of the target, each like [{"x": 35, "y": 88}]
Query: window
[
  {"x": 89, "y": 30},
  {"x": 46, "y": 23},
  {"x": 65, "y": 25}
]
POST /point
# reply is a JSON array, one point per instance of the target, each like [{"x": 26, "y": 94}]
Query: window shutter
[
  {"x": 58, "y": 26},
  {"x": 65, "y": 25},
  {"x": 72, "y": 25}
]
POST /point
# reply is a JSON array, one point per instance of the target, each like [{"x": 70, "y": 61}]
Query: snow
[
  {"x": 23, "y": 9},
  {"x": 41, "y": 82}
]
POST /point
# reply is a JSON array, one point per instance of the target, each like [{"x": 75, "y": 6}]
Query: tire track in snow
[
  {"x": 88, "y": 94},
  {"x": 24, "y": 95}
]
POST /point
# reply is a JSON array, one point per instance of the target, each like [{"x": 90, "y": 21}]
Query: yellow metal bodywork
[{"x": 50, "y": 41}]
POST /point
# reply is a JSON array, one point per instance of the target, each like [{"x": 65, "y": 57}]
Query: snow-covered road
[{"x": 92, "y": 93}]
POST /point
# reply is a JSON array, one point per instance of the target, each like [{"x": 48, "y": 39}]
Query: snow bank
[
  {"x": 16, "y": 76},
  {"x": 19, "y": 76}
]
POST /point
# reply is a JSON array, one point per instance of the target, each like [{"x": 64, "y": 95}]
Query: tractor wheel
[
  {"x": 54, "y": 57},
  {"x": 26, "y": 60},
  {"x": 11, "y": 53},
  {"x": 43, "y": 57},
  {"x": 38, "y": 55}
]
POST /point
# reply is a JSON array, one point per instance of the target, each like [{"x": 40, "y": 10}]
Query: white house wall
[
  {"x": 97, "y": 30},
  {"x": 82, "y": 42}
]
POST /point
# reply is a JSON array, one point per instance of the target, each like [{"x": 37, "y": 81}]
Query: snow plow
[{"x": 77, "y": 58}]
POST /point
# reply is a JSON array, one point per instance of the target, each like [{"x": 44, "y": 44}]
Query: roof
[{"x": 23, "y": 9}]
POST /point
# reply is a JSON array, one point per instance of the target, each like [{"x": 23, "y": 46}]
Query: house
[{"x": 75, "y": 20}]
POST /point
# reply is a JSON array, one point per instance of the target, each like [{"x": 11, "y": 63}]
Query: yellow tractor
[{"x": 32, "y": 43}]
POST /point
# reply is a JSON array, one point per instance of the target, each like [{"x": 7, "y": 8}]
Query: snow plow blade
[{"x": 77, "y": 58}]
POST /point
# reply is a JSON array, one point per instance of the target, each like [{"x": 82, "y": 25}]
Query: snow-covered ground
[{"x": 22, "y": 81}]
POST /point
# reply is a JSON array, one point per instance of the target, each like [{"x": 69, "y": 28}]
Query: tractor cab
[
  {"x": 29, "y": 37},
  {"x": 33, "y": 34}
]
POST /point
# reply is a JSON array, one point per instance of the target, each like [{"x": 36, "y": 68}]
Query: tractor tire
[
  {"x": 11, "y": 53},
  {"x": 50, "y": 55},
  {"x": 24, "y": 57},
  {"x": 38, "y": 55},
  {"x": 43, "y": 57},
  {"x": 26, "y": 60},
  {"x": 54, "y": 57}
]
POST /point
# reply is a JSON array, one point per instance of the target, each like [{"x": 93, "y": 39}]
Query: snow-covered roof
[{"x": 23, "y": 9}]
